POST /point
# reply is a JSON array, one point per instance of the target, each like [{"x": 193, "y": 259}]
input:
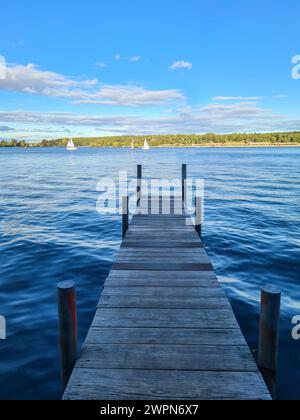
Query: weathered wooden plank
[
  {"x": 196, "y": 254},
  {"x": 170, "y": 218},
  {"x": 160, "y": 243},
  {"x": 166, "y": 202},
  {"x": 163, "y": 223},
  {"x": 191, "y": 256},
  {"x": 170, "y": 234},
  {"x": 159, "y": 237},
  {"x": 160, "y": 217},
  {"x": 154, "y": 223},
  {"x": 165, "y": 318},
  {"x": 163, "y": 279},
  {"x": 167, "y": 357},
  {"x": 157, "y": 257},
  {"x": 157, "y": 211},
  {"x": 158, "y": 228},
  {"x": 161, "y": 259},
  {"x": 161, "y": 207},
  {"x": 179, "y": 302},
  {"x": 167, "y": 275},
  {"x": 212, "y": 337},
  {"x": 162, "y": 250},
  {"x": 162, "y": 266},
  {"x": 185, "y": 292},
  {"x": 155, "y": 219},
  {"x": 163, "y": 226},
  {"x": 122, "y": 384},
  {"x": 133, "y": 281}
]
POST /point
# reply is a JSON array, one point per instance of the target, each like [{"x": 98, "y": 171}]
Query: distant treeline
[
  {"x": 14, "y": 143},
  {"x": 170, "y": 140}
]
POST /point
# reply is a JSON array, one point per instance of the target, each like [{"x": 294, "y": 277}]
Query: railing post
[
  {"x": 184, "y": 178},
  {"x": 67, "y": 315},
  {"x": 198, "y": 216},
  {"x": 139, "y": 183},
  {"x": 125, "y": 215},
  {"x": 269, "y": 335}
]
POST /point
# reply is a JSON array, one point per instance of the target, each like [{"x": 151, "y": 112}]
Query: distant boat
[
  {"x": 71, "y": 146},
  {"x": 132, "y": 145},
  {"x": 146, "y": 145}
]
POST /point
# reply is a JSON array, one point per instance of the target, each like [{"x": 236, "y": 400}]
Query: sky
[{"x": 114, "y": 67}]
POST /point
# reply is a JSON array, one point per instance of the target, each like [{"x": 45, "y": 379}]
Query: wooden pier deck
[{"x": 164, "y": 328}]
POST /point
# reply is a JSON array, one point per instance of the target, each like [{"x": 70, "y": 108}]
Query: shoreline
[
  {"x": 228, "y": 146},
  {"x": 166, "y": 146}
]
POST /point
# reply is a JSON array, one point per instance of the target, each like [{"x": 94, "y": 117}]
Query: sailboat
[
  {"x": 146, "y": 145},
  {"x": 132, "y": 145},
  {"x": 71, "y": 146}
]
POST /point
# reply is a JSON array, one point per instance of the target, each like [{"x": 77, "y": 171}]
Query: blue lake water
[{"x": 50, "y": 231}]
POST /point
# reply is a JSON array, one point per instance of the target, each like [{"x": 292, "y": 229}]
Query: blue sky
[{"x": 116, "y": 67}]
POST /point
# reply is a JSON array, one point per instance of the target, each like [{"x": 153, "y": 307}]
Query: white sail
[
  {"x": 146, "y": 145},
  {"x": 71, "y": 145},
  {"x": 132, "y": 145}
]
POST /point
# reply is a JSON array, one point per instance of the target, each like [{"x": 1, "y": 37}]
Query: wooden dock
[{"x": 164, "y": 328}]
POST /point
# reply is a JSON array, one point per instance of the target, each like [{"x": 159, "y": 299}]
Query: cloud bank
[
  {"x": 225, "y": 114},
  {"x": 217, "y": 118},
  {"x": 32, "y": 80},
  {"x": 181, "y": 65}
]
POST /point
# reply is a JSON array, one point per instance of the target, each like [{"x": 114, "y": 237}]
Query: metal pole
[
  {"x": 67, "y": 314},
  {"x": 139, "y": 183},
  {"x": 125, "y": 215},
  {"x": 269, "y": 335},
  {"x": 198, "y": 217},
  {"x": 184, "y": 177}
]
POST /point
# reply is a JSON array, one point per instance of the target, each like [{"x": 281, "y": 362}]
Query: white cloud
[
  {"x": 32, "y": 80},
  {"x": 181, "y": 65},
  {"x": 236, "y": 98},
  {"x": 135, "y": 58},
  {"x": 218, "y": 118},
  {"x": 281, "y": 96},
  {"x": 130, "y": 95},
  {"x": 100, "y": 64},
  {"x": 246, "y": 98}
]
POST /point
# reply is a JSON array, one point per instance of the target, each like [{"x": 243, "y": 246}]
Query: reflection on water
[{"x": 50, "y": 231}]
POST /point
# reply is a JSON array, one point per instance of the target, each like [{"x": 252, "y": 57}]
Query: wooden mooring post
[
  {"x": 68, "y": 336},
  {"x": 184, "y": 179},
  {"x": 269, "y": 335},
  {"x": 198, "y": 216},
  {"x": 125, "y": 215},
  {"x": 139, "y": 183}
]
